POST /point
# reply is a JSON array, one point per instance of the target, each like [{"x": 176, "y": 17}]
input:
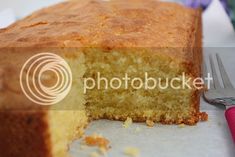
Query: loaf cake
[{"x": 113, "y": 38}]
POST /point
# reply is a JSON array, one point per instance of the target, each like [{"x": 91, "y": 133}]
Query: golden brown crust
[
  {"x": 192, "y": 120},
  {"x": 118, "y": 23},
  {"x": 24, "y": 134}
]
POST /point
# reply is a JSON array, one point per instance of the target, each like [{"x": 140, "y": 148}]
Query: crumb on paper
[
  {"x": 149, "y": 123},
  {"x": 83, "y": 147},
  {"x": 131, "y": 151},
  {"x": 94, "y": 154},
  {"x": 97, "y": 140},
  {"x": 137, "y": 129},
  {"x": 127, "y": 122},
  {"x": 203, "y": 116},
  {"x": 181, "y": 125},
  {"x": 209, "y": 123},
  {"x": 102, "y": 150}
]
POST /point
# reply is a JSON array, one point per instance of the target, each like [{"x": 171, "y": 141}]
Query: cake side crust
[
  {"x": 118, "y": 23},
  {"x": 18, "y": 130}
]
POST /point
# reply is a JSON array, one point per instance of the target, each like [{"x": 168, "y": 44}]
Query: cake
[{"x": 113, "y": 37}]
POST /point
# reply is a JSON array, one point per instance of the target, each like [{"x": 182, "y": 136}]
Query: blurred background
[{"x": 22, "y": 8}]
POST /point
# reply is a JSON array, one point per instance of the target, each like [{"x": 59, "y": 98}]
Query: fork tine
[
  {"x": 214, "y": 75},
  {"x": 205, "y": 75},
  {"x": 223, "y": 73}
]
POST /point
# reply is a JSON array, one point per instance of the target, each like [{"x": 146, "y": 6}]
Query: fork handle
[{"x": 230, "y": 116}]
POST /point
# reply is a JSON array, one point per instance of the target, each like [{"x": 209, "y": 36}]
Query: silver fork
[{"x": 221, "y": 95}]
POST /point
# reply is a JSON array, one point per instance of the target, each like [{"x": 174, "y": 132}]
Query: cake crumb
[
  {"x": 94, "y": 154},
  {"x": 83, "y": 147},
  {"x": 149, "y": 123},
  {"x": 127, "y": 123},
  {"x": 137, "y": 129},
  {"x": 181, "y": 125},
  {"x": 102, "y": 150},
  {"x": 97, "y": 140},
  {"x": 203, "y": 116},
  {"x": 131, "y": 151}
]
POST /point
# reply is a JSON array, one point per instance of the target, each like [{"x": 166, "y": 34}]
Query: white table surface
[{"x": 206, "y": 139}]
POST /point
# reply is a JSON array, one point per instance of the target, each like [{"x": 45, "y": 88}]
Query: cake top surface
[{"x": 96, "y": 23}]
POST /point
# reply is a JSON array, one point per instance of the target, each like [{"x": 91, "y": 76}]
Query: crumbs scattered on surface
[
  {"x": 83, "y": 147},
  {"x": 203, "y": 116},
  {"x": 102, "y": 150},
  {"x": 94, "y": 154},
  {"x": 181, "y": 125},
  {"x": 137, "y": 129},
  {"x": 127, "y": 123},
  {"x": 149, "y": 123},
  {"x": 131, "y": 151},
  {"x": 97, "y": 140}
]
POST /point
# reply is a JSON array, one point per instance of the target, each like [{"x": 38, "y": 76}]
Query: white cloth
[
  {"x": 7, "y": 17},
  {"x": 217, "y": 27}
]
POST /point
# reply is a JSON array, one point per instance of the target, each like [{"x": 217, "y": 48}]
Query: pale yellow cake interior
[
  {"x": 139, "y": 104},
  {"x": 69, "y": 117}
]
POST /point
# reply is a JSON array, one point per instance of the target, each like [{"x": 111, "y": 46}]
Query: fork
[{"x": 221, "y": 95}]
